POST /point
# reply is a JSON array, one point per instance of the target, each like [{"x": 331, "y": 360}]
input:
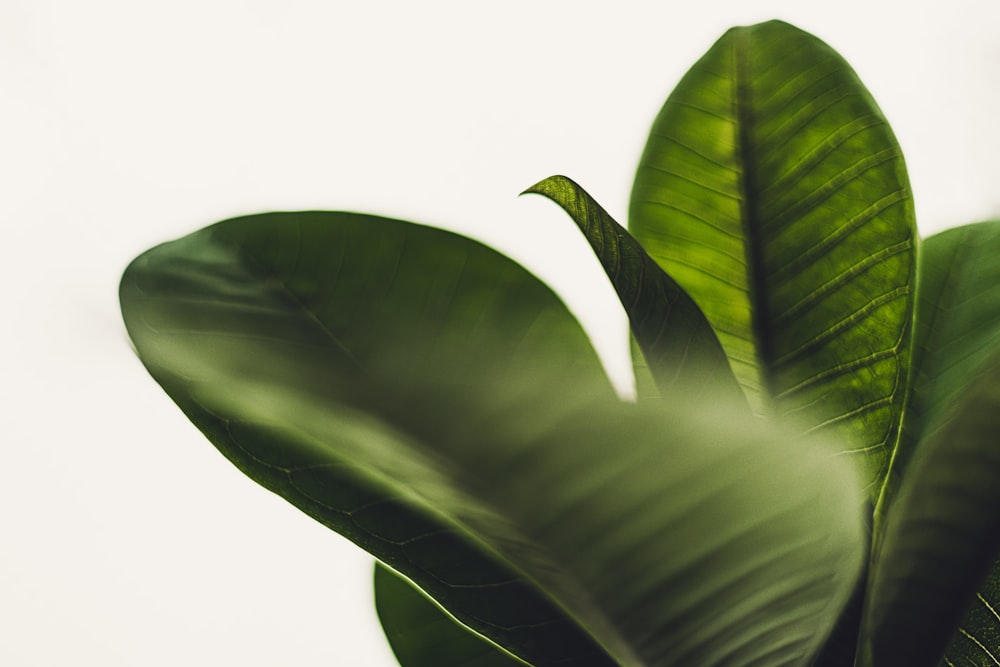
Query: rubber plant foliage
[{"x": 810, "y": 473}]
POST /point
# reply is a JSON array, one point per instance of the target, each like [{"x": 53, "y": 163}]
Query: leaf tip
[{"x": 547, "y": 185}]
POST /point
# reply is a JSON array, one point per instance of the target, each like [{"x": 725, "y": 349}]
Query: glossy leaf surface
[
  {"x": 422, "y": 635},
  {"x": 941, "y": 531},
  {"x": 773, "y": 191},
  {"x": 679, "y": 345},
  {"x": 311, "y": 347},
  {"x": 432, "y": 401}
]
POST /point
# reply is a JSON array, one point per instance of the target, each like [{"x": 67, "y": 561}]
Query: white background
[{"x": 125, "y": 538}]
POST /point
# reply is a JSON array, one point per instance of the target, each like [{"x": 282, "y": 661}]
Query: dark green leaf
[
  {"x": 940, "y": 533},
  {"x": 941, "y": 536},
  {"x": 977, "y": 641},
  {"x": 421, "y": 634},
  {"x": 645, "y": 385},
  {"x": 310, "y": 347},
  {"x": 773, "y": 191},
  {"x": 841, "y": 646},
  {"x": 432, "y": 401},
  {"x": 676, "y": 340},
  {"x": 958, "y": 328}
]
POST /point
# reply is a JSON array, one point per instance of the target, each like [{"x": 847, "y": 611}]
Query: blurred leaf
[
  {"x": 941, "y": 533},
  {"x": 312, "y": 348},
  {"x": 682, "y": 351},
  {"x": 645, "y": 385},
  {"x": 957, "y": 329},
  {"x": 773, "y": 191},
  {"x": 841, "y": 647},
  {"x": 422, "y": 635},
  {"x": 435, "y": 403}
]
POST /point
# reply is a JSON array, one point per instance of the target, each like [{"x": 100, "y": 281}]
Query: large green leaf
[
  {"x": 941, "y": 536},
  {"x": 773, "y": 191},
  {"x": 957, "y": 329},
  {"x": 436, "y": 404},
  {"x": 682, "y": 351},
  {"x": 294, "y": 339},
  {"x": 941, "y": 531},
  {"x": 421, "y": 634}
]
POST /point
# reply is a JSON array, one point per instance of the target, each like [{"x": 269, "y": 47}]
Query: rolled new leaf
[{"x": 678, "y": 344}]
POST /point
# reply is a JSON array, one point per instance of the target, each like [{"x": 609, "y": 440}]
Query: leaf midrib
[{"x": 760, "y": 319}]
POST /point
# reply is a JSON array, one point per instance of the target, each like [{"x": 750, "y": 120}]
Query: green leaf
[
  {"x": 942, "y": 535},
  {"x": 645, "y": 385},
  {"x": 311, "y": 347},
  {"x": 421, "y": 634},
  {"x": 957, "y": 330},
  {"x": 840, "y": 649},
  {"x": 939, "y": 535},
  {"x": 773, "y": 191},
  {"x": 682, "y": 351},
  {"x": 436, "y": 404},
  {"x": 977, "y": 641}
]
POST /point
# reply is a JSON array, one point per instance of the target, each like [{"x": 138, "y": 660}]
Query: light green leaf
[
  {"x": 773, "y": 191},
  {"x": 436, "y": 404},
  {"x": 421, "y": 634},
  {"x": 940, "y": 532},
  {"x": 682, "y": 351}
]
